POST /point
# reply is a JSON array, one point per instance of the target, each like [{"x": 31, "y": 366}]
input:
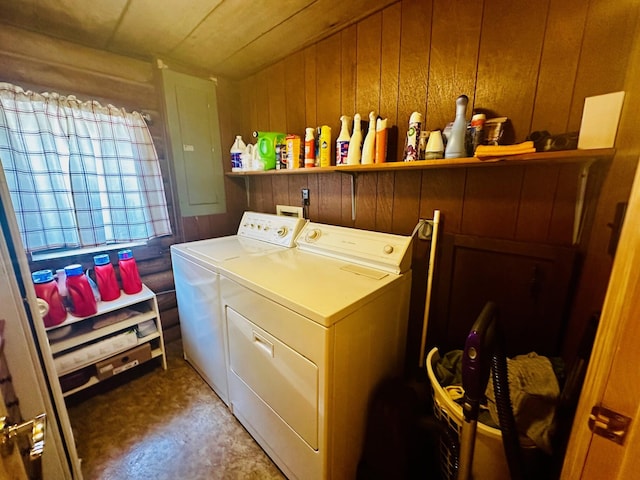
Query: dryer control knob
[
  {"x": 282, "y": 231},
  {"x": 312, "y": 235},
  {"x": 388, "y": 249}
]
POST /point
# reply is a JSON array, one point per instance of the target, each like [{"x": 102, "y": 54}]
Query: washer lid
[{"x": 213, "y": 251}]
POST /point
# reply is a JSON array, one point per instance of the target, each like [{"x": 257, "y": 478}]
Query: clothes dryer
[
  {"x": 311, "y": 333},
  {"x": 195, "y": 270}
]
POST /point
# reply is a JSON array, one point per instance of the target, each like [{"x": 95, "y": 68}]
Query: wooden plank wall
[
  {"x": 532, "y": 63},
  {"x": 39, "y": 63}
]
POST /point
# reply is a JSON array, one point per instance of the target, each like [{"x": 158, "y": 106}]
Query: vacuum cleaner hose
[{"x": 510, "y": 437}]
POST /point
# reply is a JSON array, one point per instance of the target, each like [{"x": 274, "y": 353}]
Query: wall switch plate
[{"x": 305, "y": 197}]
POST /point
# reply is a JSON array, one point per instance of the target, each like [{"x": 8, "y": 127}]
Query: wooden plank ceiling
[{"x": 234, "y": 38}]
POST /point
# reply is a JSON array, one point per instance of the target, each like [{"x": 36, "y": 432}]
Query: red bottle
[
  {"x": 83, "y": 302},
  {"x": 106, "y": 278},
  {"x": 47, "y": 289},
  {"x": 129, "y": 275}
]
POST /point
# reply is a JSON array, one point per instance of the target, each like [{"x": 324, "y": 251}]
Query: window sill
[{"x": 84, "y": 251}]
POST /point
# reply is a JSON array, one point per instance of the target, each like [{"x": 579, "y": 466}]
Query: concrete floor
[{"x": 164, "y": 425}]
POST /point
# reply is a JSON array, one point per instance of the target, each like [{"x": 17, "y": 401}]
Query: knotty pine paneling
[
  {"x": 329, "y": 195},
  {"x": 385, "y": 203},
  {"x": 295, "y": 93},
  {"x": 604, "y": 54},
  {"x": 328, "y": 86},
  {"x": 539, "y": 184},
  {"x": 413, "y": 71},
  {"x": 406, "y": 202},
  {"x": 368, "y": 62},
  {"x": 510, "y": 49},
  {"x": 390, "y": 63},
  {"x": 348, "y": 38},
  {"x": 310, "y": 85},
  {"x": 276, "y": 97},
  {"x": 455, "y": 39},
  {"x": 444, "y": 190},
  {"x": 491, "y": 201},
  {"x": 558, "y": 65}
]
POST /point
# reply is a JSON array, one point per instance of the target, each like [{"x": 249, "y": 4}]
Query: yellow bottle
[{"x": 325, "y": 146}]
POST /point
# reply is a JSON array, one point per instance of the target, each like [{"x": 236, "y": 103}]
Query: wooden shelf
[{"x": 566, "y": 156}]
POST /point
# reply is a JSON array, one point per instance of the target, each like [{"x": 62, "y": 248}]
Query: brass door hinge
[{"x": 609, "y": 424}]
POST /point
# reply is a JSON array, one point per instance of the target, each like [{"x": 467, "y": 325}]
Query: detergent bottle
[
  {"x": 355, "y": 144},
  {"x": 456, "y": 141},
  {"x": 265, "y": 149},
  {"x": 106, "y": 278},
  {"x": 368, "y": 148},
  {"x": 237, "y": 149},
  {"x": 47, "y": 290},
  {"x": 131, "y": 282},
  {"x": 342, "y": 142},
  {"x": 81, "y": 298},
  {"x": 381, "y": 141}
]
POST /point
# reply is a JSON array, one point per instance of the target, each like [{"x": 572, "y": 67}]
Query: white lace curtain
[{"x": 80, "y": 174}]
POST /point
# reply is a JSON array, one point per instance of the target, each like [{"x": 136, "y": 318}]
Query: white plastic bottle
[
  {"x": 342, "y": 142},
  {"x": 455, "y": 142},
  {"x": 369, "y": 146},
  {"x": 381, "y": 141},
  {"x": 237, "y": 149},
  {"x": 355, "y": 144},
  {"x": 309, "y": 148},
  {"x": 413, "y": 135}
]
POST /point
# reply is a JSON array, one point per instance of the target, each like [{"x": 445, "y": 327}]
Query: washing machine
[
  {"x": 311, "y": 332},
  {"x": 196, "y": 276}
]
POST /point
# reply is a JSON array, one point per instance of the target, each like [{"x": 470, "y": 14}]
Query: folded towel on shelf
[{"x": 483, "y": 151}]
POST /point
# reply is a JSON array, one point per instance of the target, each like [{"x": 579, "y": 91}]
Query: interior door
[
  {"x": 26, "y": 351},
  {"x": 613, "y": 377},
  {"x": 11, "y": 466}
]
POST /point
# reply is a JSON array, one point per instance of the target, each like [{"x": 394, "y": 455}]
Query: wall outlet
[{"x": 305, "y": 197}]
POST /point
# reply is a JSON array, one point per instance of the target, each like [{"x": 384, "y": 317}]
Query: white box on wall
[{"x": 600, "y": 118}]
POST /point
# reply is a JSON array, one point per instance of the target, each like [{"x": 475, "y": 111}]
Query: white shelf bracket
[
  {"x": 247, "y": 190},
  {"x": 353, "y": 182},
  {"x": 578, "y": 218},
  {"x": 353, "y": 196}
]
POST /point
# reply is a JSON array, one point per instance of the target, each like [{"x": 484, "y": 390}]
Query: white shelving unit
[{"x": 75, "y": 336}]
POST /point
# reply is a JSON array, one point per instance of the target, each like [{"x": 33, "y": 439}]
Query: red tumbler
[
  {"x": 106, "y": 278},
  {"x": 129, "y": 275},
  {"x": 47, "y": 289}
]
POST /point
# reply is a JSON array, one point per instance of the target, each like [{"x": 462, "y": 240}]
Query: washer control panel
[{"x": 277, "y": 229}]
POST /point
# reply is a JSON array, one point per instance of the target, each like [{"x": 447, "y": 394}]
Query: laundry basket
[{"x": 489, "y": 460}]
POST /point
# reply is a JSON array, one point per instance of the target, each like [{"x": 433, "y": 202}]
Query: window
[{"x": 80, "y": 174}]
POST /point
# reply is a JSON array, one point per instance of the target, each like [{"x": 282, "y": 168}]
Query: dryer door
[{"x": 282, "y": 378}]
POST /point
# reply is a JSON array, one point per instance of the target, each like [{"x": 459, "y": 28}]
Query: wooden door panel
[{"x": 529, "y": 282}]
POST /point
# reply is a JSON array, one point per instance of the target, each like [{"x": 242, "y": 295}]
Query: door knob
[{"x": 34, "y": 430}]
